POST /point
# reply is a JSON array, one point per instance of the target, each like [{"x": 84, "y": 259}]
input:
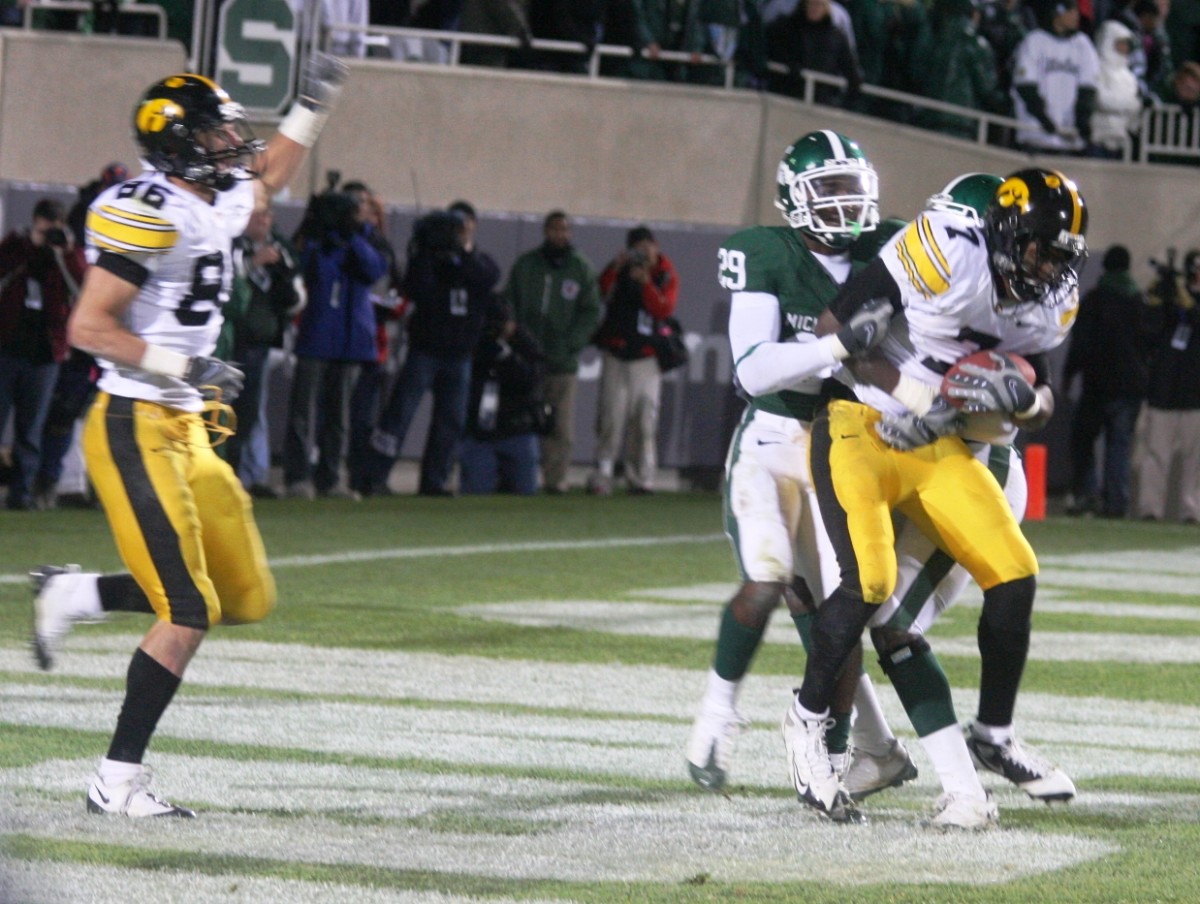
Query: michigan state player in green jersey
[{"x": 780, "y": 279}]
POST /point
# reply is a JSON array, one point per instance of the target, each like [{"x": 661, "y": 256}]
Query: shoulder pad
[{"x": 129, "y": 226}]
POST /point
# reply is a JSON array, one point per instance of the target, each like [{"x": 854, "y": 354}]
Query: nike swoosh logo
[
  {"x": 848, "y": 436},
  {"x": 100, "y": 794},
  {"x": 769, "y": 442}
]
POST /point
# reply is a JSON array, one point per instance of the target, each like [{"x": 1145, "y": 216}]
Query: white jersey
[
  {"x": 951, "y": 306},
  {"x": 177, "y": 247},
  {"x": 1059, "y": 67}
]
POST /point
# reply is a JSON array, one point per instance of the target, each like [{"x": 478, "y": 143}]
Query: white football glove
[
  {"x": 908, "y": 431},
  {"x": 979, "y": 389},
  {"x": 867, "y": 327},
  {"x": 216, "y": 379}
]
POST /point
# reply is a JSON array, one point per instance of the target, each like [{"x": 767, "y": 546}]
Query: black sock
[
  {"x": 149, "y": 687},
  {"x": 121, "y": 593},
  {"x": 1003, "y": 648},
  {"x": 837, "y": 627}
]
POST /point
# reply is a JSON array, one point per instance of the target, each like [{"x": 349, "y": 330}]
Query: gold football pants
[
  {"x": 941, "y": 487},
  {"x": 182, "y": 522}
]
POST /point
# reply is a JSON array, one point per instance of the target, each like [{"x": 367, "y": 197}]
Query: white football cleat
[
  {"x": 57, "y": 604},
  {"x": 710, "y": 746},
  {"x": 812, "y": 773},
  {"x": 961, "y": 812},
  {"x": 130, "y": 797},
  {"x": 869, "y": 773},
  {"x": 1023, "y": 766}
]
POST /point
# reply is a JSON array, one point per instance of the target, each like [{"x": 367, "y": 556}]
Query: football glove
[
  {"x": 321, "y": 82},
  {"x": 908, "y": 431},
  {"x": 981, "y": 389},
  {"x": 215, "y": 379},
  {"x": 867, "y": 327}
]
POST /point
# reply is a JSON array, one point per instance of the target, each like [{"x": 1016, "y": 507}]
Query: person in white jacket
[{"x": 1118, "y": 104}]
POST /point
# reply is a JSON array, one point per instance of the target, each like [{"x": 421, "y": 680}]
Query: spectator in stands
[
  {"x": 893, "y": 40},
  {"x": 640, "y": 288},
  {"x": 808, "y": 39},
  {"x": 1184, "y": 89},
  {"x": 41, "y": 269},
  {"x": 1004, "y": 25},
  {"x": 1150, "y": 58},
  {"x": 336, "y": 334},
  {"x": 960, "y": 69},
  {"x": 1109, "y": 348},
  {"x": 777, "y": 9},
  {"x": 268, "y": 290},
  {"x": 342, "y": 42},
  {"x": 1169, "y": 441},
  {"x": 556, "y": 20},
  {"x": 506, "y": 411},
  {"x": 553, "y": 293},
  {"x": 506, "y": 18},
  {"x": 451, "y": 286},
  {"x": 1054, "y": 82},
  {"x": 1118, "y": 101}
]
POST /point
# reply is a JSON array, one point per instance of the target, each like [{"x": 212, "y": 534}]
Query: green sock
[
  {"x": 736, "y": 646},
  {"x": 837, "y": 737},
  {"x": 924, "y": 690}
]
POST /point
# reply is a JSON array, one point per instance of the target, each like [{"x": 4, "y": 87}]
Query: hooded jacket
[{"x": 1118, "y": 104}]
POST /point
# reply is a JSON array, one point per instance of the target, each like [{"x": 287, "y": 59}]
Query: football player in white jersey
[
  {"x": 961, "y": 288},
  {"x": 150, "y": 311},
  {"x": 929, "y": 582}
]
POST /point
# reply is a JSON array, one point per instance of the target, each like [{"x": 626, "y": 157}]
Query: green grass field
[{"x": 488, "y": 699}]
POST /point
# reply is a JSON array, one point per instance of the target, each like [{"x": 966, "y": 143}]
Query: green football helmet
[
  {"x": 828, "y": 189},
  {"x": 967, "y": 195}
]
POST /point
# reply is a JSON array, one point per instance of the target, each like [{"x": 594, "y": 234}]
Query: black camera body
[
  {"x": 56, "y": 236},
  {"x": 636, "y": 257}
]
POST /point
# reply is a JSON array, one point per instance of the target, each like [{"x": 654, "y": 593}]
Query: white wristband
[
  {"x": 834, "y": 344},
  {"x": 914, "y": 395},
  {"x": 302, "y": 125},
  {"x": 159, "y": 360},
  {"x": 1033, "y": 409}
]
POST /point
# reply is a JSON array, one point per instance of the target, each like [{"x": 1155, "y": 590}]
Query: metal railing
[
  {"x": 85, "y": 6},
  {"x": 453, "y": 41},
  {"x": 1169, "y": 131}
]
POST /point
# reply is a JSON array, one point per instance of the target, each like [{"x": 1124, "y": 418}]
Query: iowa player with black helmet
[{"x": 150, "y": 311}]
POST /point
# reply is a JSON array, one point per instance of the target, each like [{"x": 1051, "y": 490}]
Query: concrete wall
[{"x": 526, "y": 142}]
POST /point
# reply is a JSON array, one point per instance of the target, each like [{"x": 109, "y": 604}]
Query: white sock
[
  {"x": 947, "y": 750},
  {"x": 993, "y": 734},
  {"x": 719, "y": 692},
  {"x": 805, "y": 714},
  {"x": 871, "y": 732},
  {"x": 85, "y": 594},
  {"x": 114, "y": 772}
]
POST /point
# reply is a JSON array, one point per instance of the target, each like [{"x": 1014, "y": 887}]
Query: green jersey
[{"x": 774, "y": 260}]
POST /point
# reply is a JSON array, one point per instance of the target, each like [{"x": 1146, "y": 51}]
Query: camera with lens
[
  {"x": 636, "y": 257},
  {"x": 56, "y": 236}
]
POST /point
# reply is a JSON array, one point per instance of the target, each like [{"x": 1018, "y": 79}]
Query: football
[{"x": 992, "y": 361}]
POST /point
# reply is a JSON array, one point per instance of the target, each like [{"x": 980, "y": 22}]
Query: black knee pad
[{"x": 895, "y": 647}]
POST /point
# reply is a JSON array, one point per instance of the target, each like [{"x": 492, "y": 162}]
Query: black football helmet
[
  {"x": 187, "y": 126},
  {"x": 1035, "y": 227}
]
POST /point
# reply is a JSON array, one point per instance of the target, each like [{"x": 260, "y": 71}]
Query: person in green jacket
[
  {"x": 960, "y": 69},
  {"x": 553, "y": 293}
]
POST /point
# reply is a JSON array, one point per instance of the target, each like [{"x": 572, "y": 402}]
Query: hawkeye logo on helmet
[
  {"x": 1013, "y": 192},
  {"x": 154, "y": 115}
]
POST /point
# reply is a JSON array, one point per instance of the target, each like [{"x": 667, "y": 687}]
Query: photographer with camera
[
  {"x": 336, "y": 335},
  {"x": 41, "y": 269},
  {"x": 450, "y": 285},
  {"x": 507, "y": 411},
  {"x": 640, "y": 287},
  {"x": 1171, "y": 419}
]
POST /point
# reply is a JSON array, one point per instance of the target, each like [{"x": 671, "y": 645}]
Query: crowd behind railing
[{"x": 1116, "y": 79}]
